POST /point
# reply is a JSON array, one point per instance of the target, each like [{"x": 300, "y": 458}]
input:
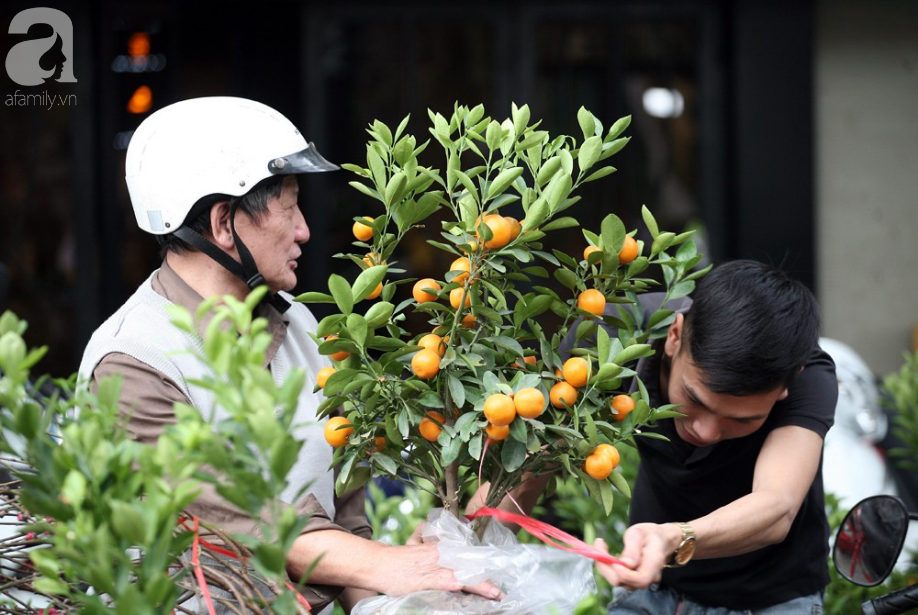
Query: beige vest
[{"x": 142, "y": 329}]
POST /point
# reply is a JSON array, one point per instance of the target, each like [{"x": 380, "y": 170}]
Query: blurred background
[{"x": 783, "y": 130}]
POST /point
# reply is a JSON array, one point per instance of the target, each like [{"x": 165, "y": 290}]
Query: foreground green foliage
[
  {"x": 104, "y": 509},
  {"x": 901, "y": 388}
]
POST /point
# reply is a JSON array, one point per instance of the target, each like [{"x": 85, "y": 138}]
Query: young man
[
  {"x": 215, "y": 179},
  {"x": 728, "y": 515}
]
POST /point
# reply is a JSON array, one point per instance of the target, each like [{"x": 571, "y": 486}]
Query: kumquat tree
[{"x": 485, "y": 392}]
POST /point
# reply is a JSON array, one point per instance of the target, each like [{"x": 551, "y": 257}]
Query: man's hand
[
  {"x": 647, "y": 548},
  {"x": 417, "y": 536},
  {"x": 350, "y": 561},
  {"x": 414, "y": 568}
]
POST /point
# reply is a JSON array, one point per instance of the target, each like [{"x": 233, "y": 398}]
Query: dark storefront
[{"x": 720, "y": 94}]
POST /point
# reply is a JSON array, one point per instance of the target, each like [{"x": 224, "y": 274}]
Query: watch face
[{"x": 685, "y": 551}]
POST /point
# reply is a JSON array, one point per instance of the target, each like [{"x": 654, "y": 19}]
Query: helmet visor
[{"x": 308, "y": 160}]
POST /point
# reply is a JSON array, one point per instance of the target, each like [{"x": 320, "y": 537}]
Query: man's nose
[
  {"x": 301, "y": 230},
  {"x": 708, "y": 429}
]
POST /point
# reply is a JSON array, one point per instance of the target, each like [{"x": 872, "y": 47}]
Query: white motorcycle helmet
[
  {"x": 201, "y": 147},
  {"x": 190, "y": 154}
]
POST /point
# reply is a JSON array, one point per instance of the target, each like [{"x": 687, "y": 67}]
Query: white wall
[{"x": 866, "y": 123}]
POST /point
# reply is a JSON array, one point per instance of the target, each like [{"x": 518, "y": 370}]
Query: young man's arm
[{"x": 784, "y": 472}]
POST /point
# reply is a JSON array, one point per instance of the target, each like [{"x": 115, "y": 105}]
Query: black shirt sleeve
[{"x": 812, "y": 398}]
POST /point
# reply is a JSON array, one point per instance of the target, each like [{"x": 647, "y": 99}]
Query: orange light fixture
[
  {"x": 139, "y": 45},
  {"x": 141, "y": 100}
]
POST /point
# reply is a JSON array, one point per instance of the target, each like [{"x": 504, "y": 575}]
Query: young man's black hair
[{"x": 751, "y": 328}]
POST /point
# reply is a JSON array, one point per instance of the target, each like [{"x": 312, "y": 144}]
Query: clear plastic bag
[{"x": 537, "y": 580}]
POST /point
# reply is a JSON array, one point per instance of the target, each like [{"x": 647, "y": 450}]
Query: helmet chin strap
[
  {"x": 252, "y": 277},
  {"x": 247, "y": 271}
]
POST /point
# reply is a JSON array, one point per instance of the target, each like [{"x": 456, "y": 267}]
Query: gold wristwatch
[{"x": 686, "y": 548}]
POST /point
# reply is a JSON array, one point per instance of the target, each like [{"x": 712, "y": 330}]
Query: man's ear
[
  {"x": 674, "y": 336},
  {"x": 220, "y": 228}
]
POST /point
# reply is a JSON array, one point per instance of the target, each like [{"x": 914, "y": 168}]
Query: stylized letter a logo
[{"x": 32, "y": 62}]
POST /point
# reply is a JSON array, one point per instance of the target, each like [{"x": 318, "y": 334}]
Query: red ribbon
[
  {"x": 549, "y": 534},
  {"x": 199, "y": 574}
]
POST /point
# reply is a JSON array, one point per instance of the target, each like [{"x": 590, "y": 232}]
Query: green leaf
[
  {"x": 536, "y": 214},
  {"x": 600, "y": 173},
  {"x": 428, "y": 204},
  {"x": 395, "y": 189},
  {"x": 557, "y": 190},
  {"x": 602, "y": 345},
  {"x": 548, "y": 170},
  {"x": 47, "y": 585},
  {"x": 341, "y": 291},
  {"x": 612, "y": 231},
  {"x": 451, "y": 448},
  {"x": 587, "y": 122},
  {"x": 513, "y": 454},
  {"x": 475, "y": 444},
  {"x": 386, "y": 463},
  {"x": 509, "y": 343},
  {"x": 353, "y": 168},
  {"x": 127, "y": 521},
  {"x": 379, "y": 314},
  {"x": 357, "y": 327},
  {"x": 365, "y": 284},
  {"x": 73, "y": 491},
  {"x": 612, "y": 148},
  {"x": 468, "y": 184},
  {"x": 520, "y": 117},
  {"x": 456, "y": 390},
  {"x": 567, "y": 278},
  {"x": 606, "y": 497},
  {"x": 536, "y": 306},
  {"x": 377, "y": 168},
  {"x": 403, "y": 150},
  {"x": 383, "y": 131},
  {"x": 660, "y": 317},
  {"x": 533, "y": 140},
  {"x": 589, "y": 153},
  {"x": 661, "y": 242},
  {"x": 633, "y": 352},
  {"x": 360, "y": 187},
  {"x": 618, "y": 127},
  {"x": 560, "y": 223},
  {"x": 682, "y": 289},
  {"x": 606, "y": 373},
  {"x": 649, "y": 220},
  {"x": 314, "y": 297},
  {"x": 567, "y": 162},
  {"x": 618, "y": 480},
  {"x": 503, "y": 179},
  {"x": 493, "y": 135}
]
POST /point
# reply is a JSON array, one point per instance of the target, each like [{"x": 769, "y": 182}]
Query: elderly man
[{"x": 215, "y": 179}]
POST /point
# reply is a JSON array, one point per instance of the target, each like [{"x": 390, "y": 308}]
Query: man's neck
[{"x": 207, "y": 277}]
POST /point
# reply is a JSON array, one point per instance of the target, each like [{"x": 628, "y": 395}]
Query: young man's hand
[{"x": 647, "y": 548}]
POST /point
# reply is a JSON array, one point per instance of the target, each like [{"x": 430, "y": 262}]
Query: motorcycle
[
  {"x": 854, "y": 466},
  {"x": 867, "y": 547}
]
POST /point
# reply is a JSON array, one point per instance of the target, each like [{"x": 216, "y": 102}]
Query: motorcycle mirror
[{"x": 870, "y": 539}]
